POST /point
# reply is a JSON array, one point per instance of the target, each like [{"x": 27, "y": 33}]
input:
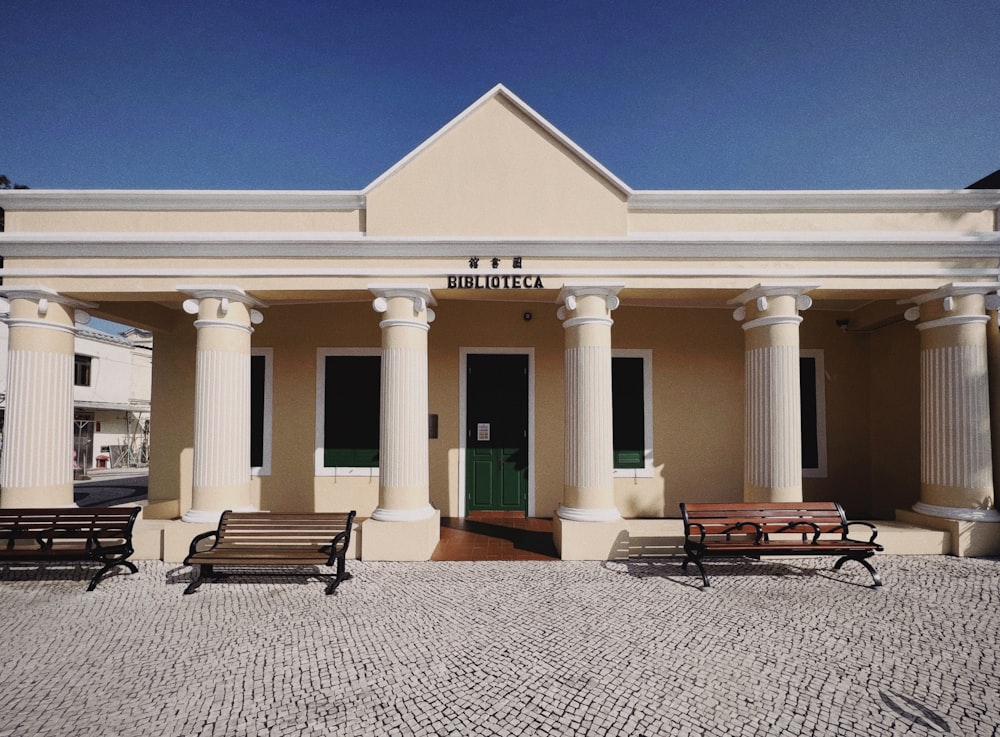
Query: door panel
[{"x": 497, "y": 440}]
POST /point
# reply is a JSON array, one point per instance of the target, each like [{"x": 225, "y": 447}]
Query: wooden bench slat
[
  {"x": 262, "y": 539},
  {"x": 92, "y": 534},
  {"x": 730, "y": 529}
]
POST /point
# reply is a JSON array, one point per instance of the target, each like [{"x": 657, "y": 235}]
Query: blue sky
[{"x": 669, "y": 94}]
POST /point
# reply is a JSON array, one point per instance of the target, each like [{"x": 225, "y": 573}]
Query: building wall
[
  {"x": 458, "y": 185},
  {"x": 871, "y": 381},
  {"x": 172, "y": 424}
]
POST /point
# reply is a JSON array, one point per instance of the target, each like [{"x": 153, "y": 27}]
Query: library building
[{"x": 499, "y": 323}]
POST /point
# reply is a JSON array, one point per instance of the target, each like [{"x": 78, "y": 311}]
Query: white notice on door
[{"x": 483, "y": 431}]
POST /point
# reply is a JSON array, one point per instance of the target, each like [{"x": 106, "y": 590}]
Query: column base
[
  {"x": 968, "y": 538},
  {"x": 590, "y": 540},
  {"x": 37, "y": 497},
  {"x": 410, "y": 540},
  {"x": 758, "y": 494}
]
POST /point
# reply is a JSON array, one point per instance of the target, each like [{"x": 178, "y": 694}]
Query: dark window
[
  {"x": 629, "y": 422},
  {"x": 810, "y": 427},
  {"x": 81, "y": 370},
  {"x": 351, "y": 411},
  {"x": 258, "y": 375}
]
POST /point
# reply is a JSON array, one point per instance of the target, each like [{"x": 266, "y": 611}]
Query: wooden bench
[
  {"x": 95, "y": 534},
  {"x": 753, "y": 530},
  {"x": 265, "y": 540}
]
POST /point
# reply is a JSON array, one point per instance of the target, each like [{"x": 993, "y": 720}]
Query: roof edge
[
  {"x": 181, "y": 199},
  {"x": 847, "y": 200},
  {"x": 496, "y": 91}
]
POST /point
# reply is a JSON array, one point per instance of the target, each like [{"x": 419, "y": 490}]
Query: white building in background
[{"x": 112, "y": 377}]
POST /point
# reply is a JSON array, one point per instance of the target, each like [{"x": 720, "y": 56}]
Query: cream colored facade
[{"x": 500, "y": 237}]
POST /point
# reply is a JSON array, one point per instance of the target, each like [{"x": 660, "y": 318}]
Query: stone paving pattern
[{"x": 507, "y": 648}]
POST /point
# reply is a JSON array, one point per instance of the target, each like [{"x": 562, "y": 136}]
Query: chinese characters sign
[{"x": 494, "y": 281}]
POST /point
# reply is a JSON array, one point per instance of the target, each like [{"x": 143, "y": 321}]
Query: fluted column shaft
[
  {"x": 588, "y": 487},
  {"x": 993, "y": 370},
  {"x": 37, "y": 469},
  {"x": 956, "y": 467},
  {"x": 404, "y": 492},
  {"x": 772, "y": 461},
  {"x": 221, "y": 464}
]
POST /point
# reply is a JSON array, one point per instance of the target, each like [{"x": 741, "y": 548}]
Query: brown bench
[
  {"x": 748, "y": 529},
  {"x": 264, "y": 540},
  {"x": 95, "y": 534}
]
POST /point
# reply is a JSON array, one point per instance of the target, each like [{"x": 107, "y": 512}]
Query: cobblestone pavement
[{"x": 532, "y": 648}]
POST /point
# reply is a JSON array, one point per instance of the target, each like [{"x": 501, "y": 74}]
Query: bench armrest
[
  {"x": 194, "y": 548},
  {"x": 337, "y": 546},
  {"x": 845, "y": 530},
  {"x": 690, "y": 529}
]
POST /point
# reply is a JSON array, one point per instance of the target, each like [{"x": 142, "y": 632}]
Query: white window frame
[
  {"x": 268, "y": 354},
  {"x": 646, "y": 354},
  {"x": 320, "y": 469}
]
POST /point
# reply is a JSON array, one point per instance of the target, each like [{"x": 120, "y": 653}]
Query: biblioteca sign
[{"x": 494, "y": 281}]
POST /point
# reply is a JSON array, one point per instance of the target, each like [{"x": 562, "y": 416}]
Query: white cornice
[
  {"x": 735, "y": 201},
  {"x": 740, "y": 201},
  {"x": 749, "y": 269},
  {"x": 697, "y": 244},
  {"x": 183, "y": 200}
]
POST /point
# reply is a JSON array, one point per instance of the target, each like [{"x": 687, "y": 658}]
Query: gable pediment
[{"x": 497, "y": 170}]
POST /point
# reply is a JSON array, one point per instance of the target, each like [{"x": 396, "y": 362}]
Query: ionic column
[
  {"x": 588, "y": 486},
  {"x": 221, "y": 463},
  {"x": 37, "y": 469},
  {"x": 403, "y": 444},
  {"x": 772, "y": 459},
  {"x": 993, "y": 370},
  {"x": 956, "y": 468}
]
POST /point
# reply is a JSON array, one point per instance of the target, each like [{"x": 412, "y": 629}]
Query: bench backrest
[
  {"x": 308, "y": 530},
  {"x": 722, "y": 518},
  {"x": 68, "y": 523}
]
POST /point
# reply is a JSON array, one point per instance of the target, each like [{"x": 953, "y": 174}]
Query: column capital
[
  {"x": 948, "y": 305},
  {"x": 43, "y": 297},
  {"x": 570, "y": 294},
  {"x": 759, "y": 297},
  {"x": 420, "y": 295},
  {"x": 39, "y": 294},
  {"x": 225, "y": 294},
  {"x": 954, "y": 289}
]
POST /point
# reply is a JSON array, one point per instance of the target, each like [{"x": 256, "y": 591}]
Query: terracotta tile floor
[{"x": 496, "y": 536}]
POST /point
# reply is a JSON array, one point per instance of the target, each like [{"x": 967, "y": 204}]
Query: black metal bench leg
[
  {"x": 871, "y": 569},
  {"x": 108, "y": 567},
  {"x": 701, "y": 569},
  {"x": 341, "y": 576},
  {"x": 203, "y": 572}
]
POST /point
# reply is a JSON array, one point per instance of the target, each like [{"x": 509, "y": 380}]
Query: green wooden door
[{"x": 496, "y": 463}]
